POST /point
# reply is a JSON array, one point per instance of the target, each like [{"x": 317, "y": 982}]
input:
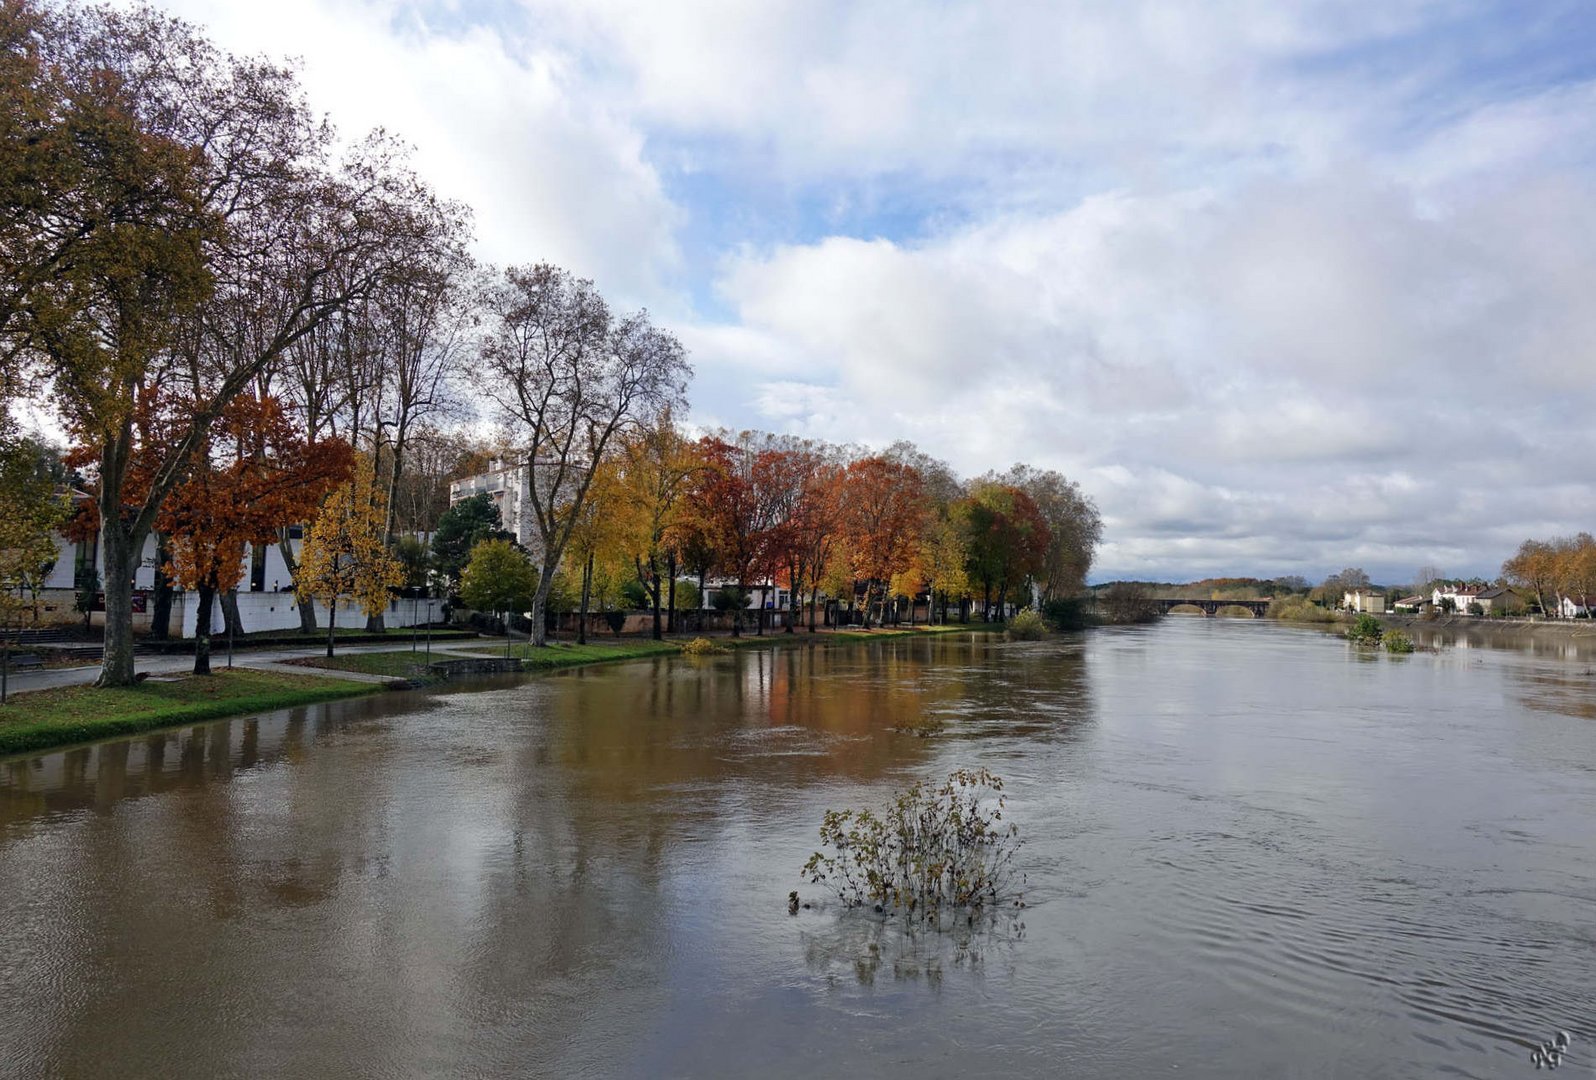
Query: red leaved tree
[
  {"x": 256, "y": 475},
  {"x": 881, "y": 511}
]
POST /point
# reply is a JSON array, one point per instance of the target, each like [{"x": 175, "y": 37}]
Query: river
[{"x": 1250, "y": 851}]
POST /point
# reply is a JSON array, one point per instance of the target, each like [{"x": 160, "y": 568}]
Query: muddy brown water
[{"x": 1251, "y": 851}]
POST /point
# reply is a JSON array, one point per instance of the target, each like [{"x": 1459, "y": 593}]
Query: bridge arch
[{"x": 1210, "y": 608}]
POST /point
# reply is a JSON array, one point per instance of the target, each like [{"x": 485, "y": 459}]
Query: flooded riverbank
[
  {"x": 1251, "y": 850},
  {"x": 1568, "y": 639}
]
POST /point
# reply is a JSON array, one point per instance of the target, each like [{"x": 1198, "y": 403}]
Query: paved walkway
[{"x": 256, "y": 659}]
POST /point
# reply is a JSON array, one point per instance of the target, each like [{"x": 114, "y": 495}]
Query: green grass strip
[
  {"x": 44, "y": 719},
  {"x": 560, "y": 654},
  {"x": 394, "y": 665}
]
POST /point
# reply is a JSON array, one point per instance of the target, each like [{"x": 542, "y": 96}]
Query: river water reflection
[{"x": 1251, "y": 851}]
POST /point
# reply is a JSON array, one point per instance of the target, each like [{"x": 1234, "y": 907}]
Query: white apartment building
[{"x": 509, "y": 485}]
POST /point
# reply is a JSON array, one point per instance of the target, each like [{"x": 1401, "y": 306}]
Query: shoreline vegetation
[{"x": 59, "y": 717}]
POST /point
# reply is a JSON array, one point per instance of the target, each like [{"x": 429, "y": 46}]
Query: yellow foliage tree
[
  {"x": 33, "y": 512},
  {"x": 944, "y": 557},
  {"x": 602, "y": 537},
  {"x": 344, "y": 555}
]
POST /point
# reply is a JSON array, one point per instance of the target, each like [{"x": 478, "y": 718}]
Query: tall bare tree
[{"x": 569, "y": 378}]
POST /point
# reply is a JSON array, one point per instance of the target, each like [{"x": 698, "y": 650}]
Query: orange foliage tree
[
  {"x": 881, "y": 516},
  {"x": 257, "y": 474}
]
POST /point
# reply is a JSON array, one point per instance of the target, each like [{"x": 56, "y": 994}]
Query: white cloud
[
  {"x": 1284, "y": 284},
  {"x": 499, "y": 124},
  {"x": 1292, "y": 368}
]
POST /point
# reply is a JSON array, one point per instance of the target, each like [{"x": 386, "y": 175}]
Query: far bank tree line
[
  {"x": 247, "y": 325},
  {"x": 1553, "y": 578},
  {"x": 664, "y": 513}
]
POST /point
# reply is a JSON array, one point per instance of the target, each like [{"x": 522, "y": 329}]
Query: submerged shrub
[
  {"x": 1028, "y": 625},
  {"x": 1397, "y": 641},
  {"x": 934, "y": 851},
  {"x": 701, "y": 646},
  {"x": 1366, "y": 630}
]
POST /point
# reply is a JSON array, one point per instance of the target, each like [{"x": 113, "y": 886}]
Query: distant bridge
[{"x": 1210, "y": 608}]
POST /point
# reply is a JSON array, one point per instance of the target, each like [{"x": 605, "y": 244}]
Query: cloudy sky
[{"x": 1286, "y": 286}]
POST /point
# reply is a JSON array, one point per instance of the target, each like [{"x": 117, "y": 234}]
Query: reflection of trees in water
[
  {"x": 798, "y": 715},
  {"x": 573, "y": 904},
  {"x": 100, "y": 776},
  {"x": 779, "y": 717},
  {"x": 1569, "y": 692},
  {"x": 1551, "y": 641}
]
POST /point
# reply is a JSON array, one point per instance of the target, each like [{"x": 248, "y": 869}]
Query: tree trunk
[
  {"x": 670, "y": 603},
  {"x": 332, "y": 621},
  {"x": 587, "y": 591},
  {"x": 203, "y": 614},
  {"x": 118, "y": 549},
  {"x": 307, "y": 609},
  {"x": 231, "y": 623},
  {"x": 795, "y": 600},
  {"x": 759, "y": 615},
  {"x": 161, "y": 601},
  {"x": 1003, "y": 593}
]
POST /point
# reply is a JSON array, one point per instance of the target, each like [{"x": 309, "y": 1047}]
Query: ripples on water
[{"x": 1250, "y": 852}]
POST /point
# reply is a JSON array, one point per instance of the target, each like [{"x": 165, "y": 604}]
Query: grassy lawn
[
  {"x": 46, "y": 718},
  {"x": 558, "y": 654}
]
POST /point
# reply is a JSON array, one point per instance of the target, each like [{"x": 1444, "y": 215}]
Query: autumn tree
[
  {"x": 1533, "y": 567},
  {"x": 214, "y": 234},
  {"x": 944, "y": 556},
  {"x": 730, "y": 513},
  {"x": 656, "y": 466},
  {"x": 34, "y": 510},
  {"x": 605, "y": 533},
  {"x": 254, "y": 473},
  {"x": 781, "y": 471},
  {"x": 344, "y": 556},
  {"x": 1073, "y": 524},
  {"x": 569, "y": 378},
  {"x": 881, "y": 516},
  {"x": 812, "y": 533},
  {"x": 1008, "y": 540},
  {"x": 1576, "y": 569}
]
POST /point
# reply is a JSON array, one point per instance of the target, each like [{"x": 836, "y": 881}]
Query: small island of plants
[{"x": 934, "y": 854}]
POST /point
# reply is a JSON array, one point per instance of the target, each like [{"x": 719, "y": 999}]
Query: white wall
[{"x": 280, "y": 611}]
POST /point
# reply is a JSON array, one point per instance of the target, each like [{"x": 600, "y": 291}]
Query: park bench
[{"x": 25, "y": 660}]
